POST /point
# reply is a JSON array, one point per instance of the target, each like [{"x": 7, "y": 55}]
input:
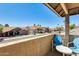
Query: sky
[{"x": 27, "y": 14}]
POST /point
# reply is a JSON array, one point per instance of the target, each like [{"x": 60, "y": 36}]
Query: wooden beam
[
  {"x": 67, "y": 37},
  {"x": 51, "y": 8},
  {"x": 64, "y": 8}
]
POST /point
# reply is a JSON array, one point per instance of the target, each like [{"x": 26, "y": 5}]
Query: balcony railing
[
  {"x": 37, "y": 45},
  {"x": 29, "y": 46}
]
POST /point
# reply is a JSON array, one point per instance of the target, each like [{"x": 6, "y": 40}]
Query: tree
[
  {"x": 34, "y": 24},
  {"x": 1, "y": 30},
  {"x": 72, "y": 26},
  {"x": 6, "y": 25}
]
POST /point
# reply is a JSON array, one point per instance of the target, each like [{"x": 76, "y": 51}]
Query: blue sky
[{"x": 27, "y": 14}]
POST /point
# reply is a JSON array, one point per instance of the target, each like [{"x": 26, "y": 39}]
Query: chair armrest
[{"x": 69, "y": 43}]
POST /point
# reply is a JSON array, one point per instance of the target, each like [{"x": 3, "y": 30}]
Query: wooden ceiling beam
[
  {"x": 50, "y": 7},
  {"x": 64, "y": 7}
]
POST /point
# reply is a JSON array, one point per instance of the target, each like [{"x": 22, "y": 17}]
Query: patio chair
[
  {"x": 75, "y": 46},
  {"x": 58, "y": 44},
  {"x": 57, "y": 40}
]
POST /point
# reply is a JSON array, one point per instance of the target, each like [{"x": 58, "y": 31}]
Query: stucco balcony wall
[{"x": 36, "y": 47}]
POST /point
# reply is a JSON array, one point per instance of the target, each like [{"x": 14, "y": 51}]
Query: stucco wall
[{"x": 36, "y": 47}]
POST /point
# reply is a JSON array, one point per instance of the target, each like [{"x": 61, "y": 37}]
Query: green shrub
[{"x": 72, "y": 26}]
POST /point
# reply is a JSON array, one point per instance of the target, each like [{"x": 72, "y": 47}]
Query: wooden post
[{"x": 67, "y": 37}]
